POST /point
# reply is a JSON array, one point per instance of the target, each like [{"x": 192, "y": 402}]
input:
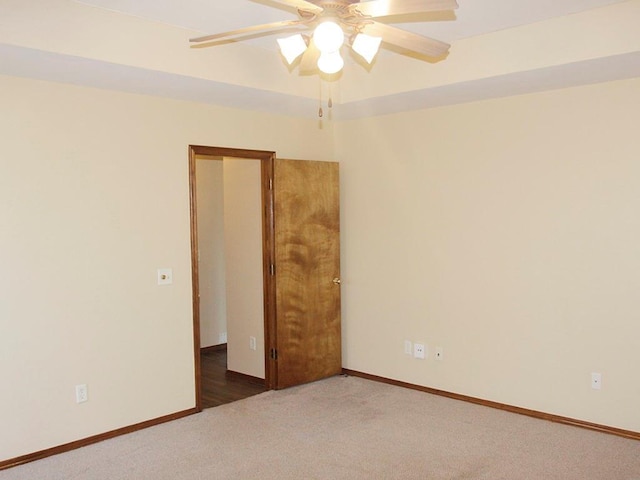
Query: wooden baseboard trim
[
  {"x": 247, "y": 378},
  {"x": 500, "y": 406},
  {"x": 214, "y": 348},
  {"x": 14, "y": 462}
]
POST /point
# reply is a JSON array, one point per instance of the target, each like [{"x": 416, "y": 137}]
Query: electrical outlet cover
[
  {"x": 419, "y": 351},
  {"x": 408, "y": 347},
  {"x": 82, "y": 394}
]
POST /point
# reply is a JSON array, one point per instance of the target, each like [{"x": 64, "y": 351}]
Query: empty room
[{"x": 429, "y": 238}]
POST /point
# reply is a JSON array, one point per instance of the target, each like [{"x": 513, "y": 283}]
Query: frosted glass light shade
[
  {"x": 328, "y": 37},
  {"x": 330, "y": 62},
  {"x": 292, "y": 47},
  {"x": 366, "y": 46}
]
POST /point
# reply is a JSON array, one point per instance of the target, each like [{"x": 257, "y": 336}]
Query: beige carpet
[{"x": 348, "y": 428}]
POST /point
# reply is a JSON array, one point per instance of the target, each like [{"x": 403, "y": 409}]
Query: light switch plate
[{"x": 165, "y": 276}]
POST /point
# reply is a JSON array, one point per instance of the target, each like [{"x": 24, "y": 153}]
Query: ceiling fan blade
[
  {"x": 246, "y": 30},
  {"x": 309, "y": 61},
  {"x": 383, "y": 8},
  {"x": 407, "y": 40}
]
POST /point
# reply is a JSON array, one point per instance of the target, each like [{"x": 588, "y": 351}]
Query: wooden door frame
[{"x": 267, "y": 159}]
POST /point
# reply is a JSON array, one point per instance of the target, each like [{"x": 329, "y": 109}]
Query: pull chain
[
  {"x": 320, "y": 112},
  {"x": 329, "y": 101}
]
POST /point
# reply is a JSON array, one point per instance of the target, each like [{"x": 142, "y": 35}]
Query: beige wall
[
  {"x": 94, "y": 198},
  {"x": 504, "y": 231},
  {"x": 243, "y": 252},
  {"x": 507, "y": 233},
  {"x": 211, "y": 259}
]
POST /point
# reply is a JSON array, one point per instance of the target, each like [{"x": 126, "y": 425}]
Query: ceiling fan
[{"x": 336, "y": 22}]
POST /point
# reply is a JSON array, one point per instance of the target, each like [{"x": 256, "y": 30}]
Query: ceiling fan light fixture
[
  {"x": 330, "y": 63},
  {"x": 333, "y": 20},
  {"x": 366, "y": 46},
  {"x": 292, "y": 47},
  {"x": 328, "y": 37}
]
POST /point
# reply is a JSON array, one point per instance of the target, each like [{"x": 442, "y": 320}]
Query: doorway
[
  {"x": 266, "y": 160},
  {"x": 300, "y": 219}
]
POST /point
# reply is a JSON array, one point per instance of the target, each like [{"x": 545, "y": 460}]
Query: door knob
[{"x": 337, "y": 281}]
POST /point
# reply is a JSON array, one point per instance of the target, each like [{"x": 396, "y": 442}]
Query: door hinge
[
  {"x": 274, "y": 354},
  {"x": 271, "y": 184},
  {"x": 272, "y": 269}
]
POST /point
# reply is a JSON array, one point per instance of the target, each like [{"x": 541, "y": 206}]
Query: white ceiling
[{"x": 473, "y": 18}]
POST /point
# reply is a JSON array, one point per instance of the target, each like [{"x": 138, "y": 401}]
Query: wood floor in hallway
[{"x": 219, "y": 387}]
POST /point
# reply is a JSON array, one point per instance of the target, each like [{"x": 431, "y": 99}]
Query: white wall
[
  {"x": 230, "y": 244},
  {"x": 244, "y": 270},
  {"x": 94, "y": 198},
  {"x": 211, "y": 259},
  {"x": 506, "y": 232}
]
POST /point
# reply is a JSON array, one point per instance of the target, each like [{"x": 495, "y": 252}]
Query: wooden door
[{"x": 307, "y": 271}]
